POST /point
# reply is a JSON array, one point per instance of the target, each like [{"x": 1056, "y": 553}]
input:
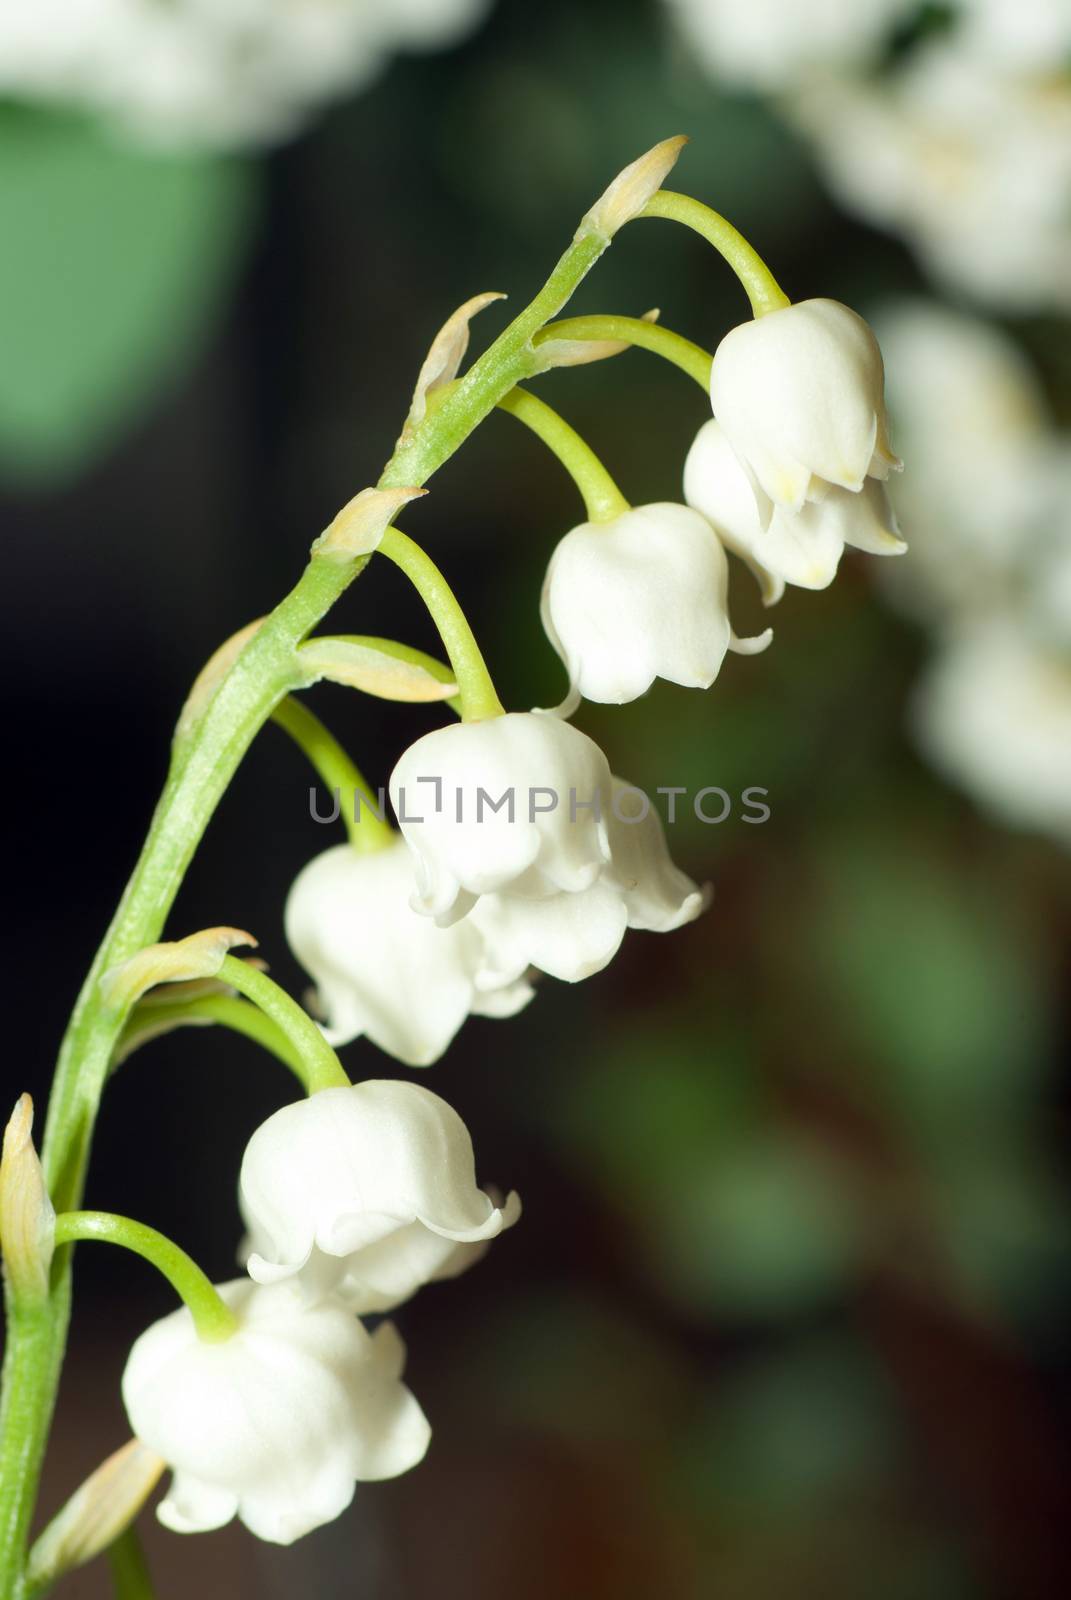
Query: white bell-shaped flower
[
  {"x": 645, "y": 596},
  {"x": 779, "y": 544},
  {"x": 516, "y": 802},
  {"x": 278, "y": 1423},
  {"x": 572, "y": 936},
  {"x": 800, "y": 395},
  {"x": 381, "y": 969},
  {"x": 347, "y": 1169},
  {"x": 379, "y": 1276}
]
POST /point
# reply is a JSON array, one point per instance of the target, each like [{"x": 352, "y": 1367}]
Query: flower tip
[
  {"x": 632, "y": 188},
  {"x": 753, "y": 646},
  {"x": 27, "y": 1218}
]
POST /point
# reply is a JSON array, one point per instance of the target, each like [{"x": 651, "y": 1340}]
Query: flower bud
[
  {"x": 96, "y": 1514},
  {"x": 27, "y": 1219}
]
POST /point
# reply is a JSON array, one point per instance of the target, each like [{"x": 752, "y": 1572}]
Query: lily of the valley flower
[
  {"x": 278, "y": 1423},
  {"x": 381, "y": 969},
  {"x": 782, "y": 545},
  {"x": 800, "y": 395},
  {"x": 642, "y": 597},
  {"x": 345, "y": 1172},
  {"x": 572, "y": 936},
  {"x": 515, "y": 803}
]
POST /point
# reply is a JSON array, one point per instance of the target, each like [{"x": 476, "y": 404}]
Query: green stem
[
  {"x": 131, "y": 1578},
  {"x": 760, "y": 285},
  {"x": 673, "y": 347},
  {"x": 342, "y": 778},
  {"x": 602, "y": 499},
  {"x": 322, "y": 1068},
  {"x": 212, "y": 1316},
  {"x": 477, "y": 692},
  {"x": 203, "y": 764},
  {"x": 150, "y": 1018},
  {"x": 502, "y": 365}
]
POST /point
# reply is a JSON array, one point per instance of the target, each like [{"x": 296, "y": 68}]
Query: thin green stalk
[
  {"x": 760, "y": 285},
  {"x": 673, "y": 347},
  {"x": 212, "y": 1316},
  {"x": 341, "y": 776},
  {"x": 602, "y": 499},
  {"x": 323, "y": 1069},
  {"x": 153, "y": 1017},
  {"x": 131, "y": 1578},
  {"x": 477, "y": 692}
]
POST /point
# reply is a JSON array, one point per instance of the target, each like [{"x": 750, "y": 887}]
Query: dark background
[{"x": 785, "y": 1309}]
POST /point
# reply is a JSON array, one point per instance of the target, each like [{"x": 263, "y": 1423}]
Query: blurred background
[{"x": 785, "y": 1314}]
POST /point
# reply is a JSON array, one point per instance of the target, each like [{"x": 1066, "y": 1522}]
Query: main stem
[{"x": 203, "y": 764}]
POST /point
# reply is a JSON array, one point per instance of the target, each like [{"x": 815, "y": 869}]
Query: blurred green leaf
[
  {"x": 935, "y": 971},
  {"x": 731, "y": 1213},
  {"x": 115, "y": 264}
]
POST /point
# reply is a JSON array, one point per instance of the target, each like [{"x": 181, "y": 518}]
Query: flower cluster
[
  {"x": 517, "y": 852},
  {"x": 354, "y": 1199}
]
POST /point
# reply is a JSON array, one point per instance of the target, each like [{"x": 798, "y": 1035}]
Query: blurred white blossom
[
  {"x": 212, "y": 72},
  {"x": 969, "y": 160},
  {"x": 278, "y": 1423},
  {"x": 765, "y": 44},
  {"x": 988, "y": 505},
  {"x": 989, "y": 489},
  {"x": 993, "y": 713}
]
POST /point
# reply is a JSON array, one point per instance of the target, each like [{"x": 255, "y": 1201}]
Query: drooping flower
[
  {"x": 642, "y": 597},
  {"x": 344, "y": 1172},
  {"x": 779, "y": 544},
  {"x": 799, "y": 394},
  {"x": 277, "y": 1424},
  {"x": 515, "y": 803},
  {"x": 381, "y": 969},
  {"x": 572, "y": 936}
]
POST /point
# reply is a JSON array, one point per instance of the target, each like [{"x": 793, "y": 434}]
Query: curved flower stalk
[
  {"x": 268, "y": 1398},
  {"x": 277, "y": 1424}
]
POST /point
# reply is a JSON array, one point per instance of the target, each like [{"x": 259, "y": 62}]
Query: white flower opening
[
  {"x": 382, "y": 970},
  {"x": 800, "y": 396},
  {"x": 346, "y": 1171},
  {"x": 547, "y": 837},
  {"x": 645, "y": 596},
  {"x": 779, "y": 544},
  {"x": 277, "y": 1424}
]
